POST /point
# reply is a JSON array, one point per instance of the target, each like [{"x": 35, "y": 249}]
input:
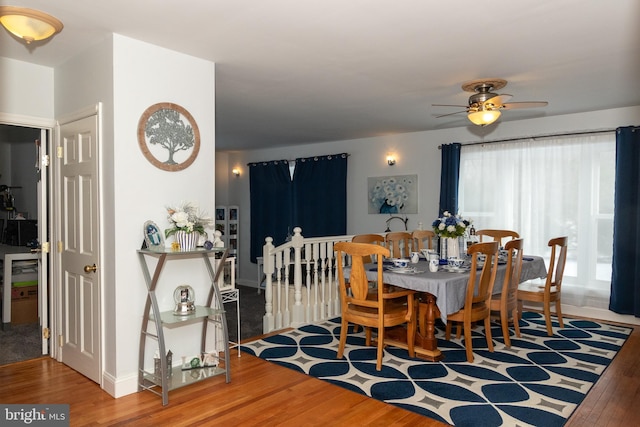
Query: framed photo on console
[{"x": 153, "y": 237}]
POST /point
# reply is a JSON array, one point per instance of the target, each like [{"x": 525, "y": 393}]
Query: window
[{"x": 545, "y": 188}]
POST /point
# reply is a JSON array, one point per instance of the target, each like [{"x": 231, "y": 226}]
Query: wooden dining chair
[
  {"x": 399, "y": 243},
  {"x": 497, "y": 235},
  {"x": 548, "y": 291},
  {"x": 505, "y": 304},
  {"x": 420, "y": 237},
  {"x": 376, "y": 239},
  {"x": 476, "y": 304},
  {"x": 389, "y": 306}
]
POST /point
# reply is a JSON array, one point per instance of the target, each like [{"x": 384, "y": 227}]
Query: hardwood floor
[
  {"x": 262, "y": 393},
  {"x": 615, "y": 399}
]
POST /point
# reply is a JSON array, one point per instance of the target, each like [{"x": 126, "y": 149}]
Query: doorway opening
[{"x": 24, "y": 210}]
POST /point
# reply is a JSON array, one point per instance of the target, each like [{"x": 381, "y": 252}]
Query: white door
[
  {"x": 43, "y": 236},
  {"x": 79, "y": 235}
]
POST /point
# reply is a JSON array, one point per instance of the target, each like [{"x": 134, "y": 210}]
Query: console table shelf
[
  {"x": 170, "y": 377},
  {"x": 170, "y": 320}
]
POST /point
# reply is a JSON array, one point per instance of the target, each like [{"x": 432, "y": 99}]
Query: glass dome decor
[{"x": 184, "y": 297}]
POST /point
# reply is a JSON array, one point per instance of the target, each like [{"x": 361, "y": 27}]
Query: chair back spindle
[{"x": 399, "y": 243}]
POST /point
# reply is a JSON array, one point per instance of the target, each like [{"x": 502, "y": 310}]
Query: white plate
[
  {"x": 412, "y": 271},
  {"x": 402, "y": 269}
]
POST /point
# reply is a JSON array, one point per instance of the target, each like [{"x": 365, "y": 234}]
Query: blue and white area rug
[{"x": 539, "y": 381}]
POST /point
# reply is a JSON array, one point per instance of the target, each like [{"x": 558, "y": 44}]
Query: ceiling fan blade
[
  {"x": 498, "y": 100},
  {"x": 449, "y": 105},
  {"x": 531, "y": 104},
  {"x": 450, "y": 114}
]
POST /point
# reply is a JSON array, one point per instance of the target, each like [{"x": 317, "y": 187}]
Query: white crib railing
[{"x": 294, "y": 298}]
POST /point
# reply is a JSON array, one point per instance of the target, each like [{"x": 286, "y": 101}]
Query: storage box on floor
[{"x": 24, "y": 292}]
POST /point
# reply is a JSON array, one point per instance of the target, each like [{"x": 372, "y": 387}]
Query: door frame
[
  {"x": 46, "y": 125},
  {"x": 45, "y": 203}
]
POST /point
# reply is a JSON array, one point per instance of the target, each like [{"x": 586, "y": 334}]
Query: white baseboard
[
  {"x": 108, "y": 384},
  {"x": 120, "y": 387}
]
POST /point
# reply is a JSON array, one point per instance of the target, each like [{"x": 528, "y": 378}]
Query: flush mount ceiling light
[{"x": 28, "y": 24}]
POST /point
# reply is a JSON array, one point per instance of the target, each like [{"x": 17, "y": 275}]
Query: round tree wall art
[{"x": 168, "y": 136}]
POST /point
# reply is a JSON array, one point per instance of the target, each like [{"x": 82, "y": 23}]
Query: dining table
[{"x": 441, "y": 293}]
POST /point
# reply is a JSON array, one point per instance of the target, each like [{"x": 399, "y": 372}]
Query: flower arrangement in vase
[
  {"x": 451, "y": 228},
  {"x": 187, "y": 224}
]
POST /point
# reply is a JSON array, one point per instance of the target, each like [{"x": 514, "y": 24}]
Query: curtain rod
[
  {"x": 323, "y": 155},
  {"x": 309, "y": 157},
  {"x": 548, "y": 135}
]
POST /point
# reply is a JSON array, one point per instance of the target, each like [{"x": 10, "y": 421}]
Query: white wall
[
  {"x": 416, "y": 153},
  {"x": 223, "y": 174},
  {"x": 26, "y": 89}
]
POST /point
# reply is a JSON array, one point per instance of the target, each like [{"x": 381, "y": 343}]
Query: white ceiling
[{"x": 300, "y": 71}]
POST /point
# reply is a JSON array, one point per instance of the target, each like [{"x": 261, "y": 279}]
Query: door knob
[{"x": 90, "y": 268}]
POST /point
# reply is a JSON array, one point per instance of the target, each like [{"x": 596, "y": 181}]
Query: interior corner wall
[{"x": 144, "y": 75}]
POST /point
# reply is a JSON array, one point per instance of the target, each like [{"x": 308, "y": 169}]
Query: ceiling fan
[{"x": 485, "y": 106}]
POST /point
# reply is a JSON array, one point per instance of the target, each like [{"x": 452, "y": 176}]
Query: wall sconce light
[
  {"x": 29, "y": 24},
  {"x": 236, "y": 172},
  {"x": 391, "y": 160}
]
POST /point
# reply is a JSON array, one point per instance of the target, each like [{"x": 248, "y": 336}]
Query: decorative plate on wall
[{"x": 168, "y": 136}]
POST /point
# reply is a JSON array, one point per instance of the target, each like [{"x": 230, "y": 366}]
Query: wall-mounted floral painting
[{"x": 393, "y": 194}]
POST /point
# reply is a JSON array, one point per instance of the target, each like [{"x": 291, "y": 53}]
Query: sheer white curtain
[{"x": 545, "y": 188}]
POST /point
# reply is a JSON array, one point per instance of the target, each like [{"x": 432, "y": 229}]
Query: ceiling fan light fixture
[
  {"x": 28, "y": 24},
  {"x": 483, "y": 117},
  {"x": 485, "y": 106}
]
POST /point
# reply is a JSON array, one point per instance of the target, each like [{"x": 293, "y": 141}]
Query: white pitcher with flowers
[{"x": 451, "y": 230}]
